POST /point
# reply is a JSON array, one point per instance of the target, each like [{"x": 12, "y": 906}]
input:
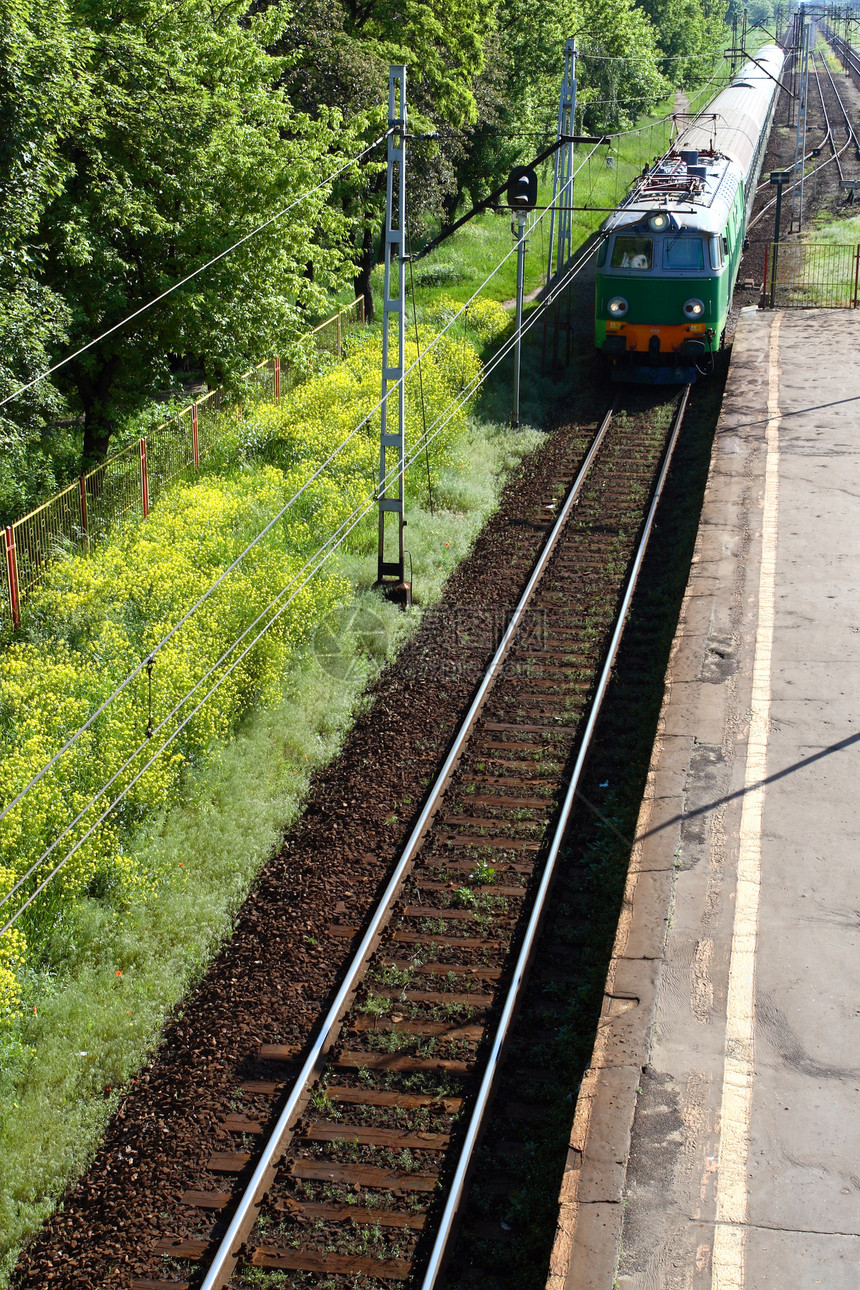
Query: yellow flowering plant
[{"x": 94, "y": 619}]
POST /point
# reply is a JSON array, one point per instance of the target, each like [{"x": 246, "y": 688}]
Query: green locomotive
[{"x": 669, "y": 255}]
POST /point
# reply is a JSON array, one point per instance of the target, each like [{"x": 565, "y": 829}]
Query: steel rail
[
  {"x": 242, "y": 1221},
  {"x": 846, "y": 50},
  {"x": 765, "y": 183},
  {"x": 837, "y": 152},
  {"x": 458, "y": 1182},
  {"x": 849, "y": 128},
  {"x": 829, "y": 137}
]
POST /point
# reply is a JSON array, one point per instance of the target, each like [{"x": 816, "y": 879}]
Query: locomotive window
[
  {"x": 683, "y": 253},
  {"x": 632, "y": 253},
  {"x": 601, "y": 254},
  {"x": 716, "y": 253}
]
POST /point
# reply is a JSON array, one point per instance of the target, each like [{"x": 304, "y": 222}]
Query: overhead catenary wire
[
  {"x": 323, "y": 553},
  {"x": 353, "y": 161},
  {"x": 69, "y": 743},
  {"x": 658, "y": 57},
  {"x": 239, "y": 558},
  {"x": 420, "y": 379},
  {"x": 317, "y": 560},
  {"x": 261, "y": 228}
]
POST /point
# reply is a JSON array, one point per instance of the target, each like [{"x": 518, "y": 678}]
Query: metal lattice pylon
[
  {"x": 808, "y": 36},
  {"x": 393, "y": 421},
  {"x": 560, "y": 222}
]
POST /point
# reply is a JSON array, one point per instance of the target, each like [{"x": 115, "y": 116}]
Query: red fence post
[
  {"x": 277, "y": 380},
  {"x": 82, "y": 484},
  {"x": 194, "y": 440},
  {"x": 12, "y": 571},
  {"x": 144, "y": 484}
]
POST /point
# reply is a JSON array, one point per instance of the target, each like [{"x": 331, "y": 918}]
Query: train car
[{"x": 670, "y": 254}]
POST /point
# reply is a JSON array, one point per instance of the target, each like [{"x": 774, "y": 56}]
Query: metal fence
[
  {"x": 331, "y": 336},
  {"x": 130, "y": 481},
  {"x": 802, "y": 275}
]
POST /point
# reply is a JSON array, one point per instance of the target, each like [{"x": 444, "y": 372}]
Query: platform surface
[{"x": 717, "y": 1136}]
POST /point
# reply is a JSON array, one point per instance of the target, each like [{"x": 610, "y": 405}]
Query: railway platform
[{"x": 717, "y": 1130}]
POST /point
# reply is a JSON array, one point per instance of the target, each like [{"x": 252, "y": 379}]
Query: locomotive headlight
[
  {"x": 617, "y": 306},
  {"x": 694, "y": 309},
  {"x": 658, "y": 222}
]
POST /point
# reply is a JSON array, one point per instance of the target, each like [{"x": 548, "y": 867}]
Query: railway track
[
  {"x": 844, "y": 51},
  {"x": 350, "y": 1155},
  {"x": 828, "y": 140},
  {"x": 851, "y": 139}
]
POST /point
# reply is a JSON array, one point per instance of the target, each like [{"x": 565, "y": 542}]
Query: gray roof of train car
[{"x": 741, "y": 112}]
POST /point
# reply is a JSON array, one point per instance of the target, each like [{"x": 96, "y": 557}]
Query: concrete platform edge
[{"x": 587, "y": 1244}]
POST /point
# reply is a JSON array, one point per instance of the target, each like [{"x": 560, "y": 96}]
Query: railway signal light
[{"x": 522, "y": 188}]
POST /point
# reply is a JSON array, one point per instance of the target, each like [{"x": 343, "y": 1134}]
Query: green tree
[
  {"x": 39, "y": 104},
  {"x": 184, "y": 142},
  {"x": 340, "y": 51},
  {"x": 691, "y": 35},
  {"x": 521, "y": 83}
]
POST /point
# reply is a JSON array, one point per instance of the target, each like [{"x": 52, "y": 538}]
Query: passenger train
[{"x": 670, "y": 254}]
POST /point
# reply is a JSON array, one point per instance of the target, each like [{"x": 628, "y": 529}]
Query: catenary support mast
[
  {"x": 560, "y": 221},
  {"x": 391, "y": 562}
]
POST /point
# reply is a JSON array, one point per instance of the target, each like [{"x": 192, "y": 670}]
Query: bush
[
  {"x": 442, "y": 274},
  {"x": 487, "y": 319},
  {"x": 90, "y": 623},
  {"x": 93, "y": 619}
]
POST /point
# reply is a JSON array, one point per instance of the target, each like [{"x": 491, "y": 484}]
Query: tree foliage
[
  {"x": 341, "y": 50},
  {"x": 182, "y": 141},
  {"x": 39, "y": 104},
  {"x": 690, "y": 34},
  {"x": 140, "y": 138}
]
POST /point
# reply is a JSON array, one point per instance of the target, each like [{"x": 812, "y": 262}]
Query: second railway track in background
[
  {"x": 829, "y": 140},
  {"x": 348, "y": 1157}
]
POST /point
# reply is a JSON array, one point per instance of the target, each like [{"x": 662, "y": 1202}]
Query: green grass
[
  {"x": 839, "y": 232},
  {"x": 117, "y": 973}
]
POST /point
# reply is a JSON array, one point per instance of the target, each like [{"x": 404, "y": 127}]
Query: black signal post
[
  {"x": 780, "y": 178},
  {"x": 522, "y": 197}
]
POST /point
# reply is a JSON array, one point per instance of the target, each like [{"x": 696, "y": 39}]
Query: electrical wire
[
  {"x": 239, "y": 558},
  {"x": 420, "y": 381},
  {"x": 658, "y": 57},
  {"x": 313, "y": 564},
  {"x": 322, "y": 552},
  {"x": 254, "y": 541},
  {"x": 196, "y": 272},
  {"x": 210, "y": 591}
]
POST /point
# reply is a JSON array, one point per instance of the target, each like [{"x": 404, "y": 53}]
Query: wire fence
[
  {"x": 130, "y": 481},
  {"x": 819, "y": 275}
]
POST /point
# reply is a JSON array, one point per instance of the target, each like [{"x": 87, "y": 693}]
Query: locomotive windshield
[
  {"x": 684, "y": 253},
  {"x": 632, "y": 253}
]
